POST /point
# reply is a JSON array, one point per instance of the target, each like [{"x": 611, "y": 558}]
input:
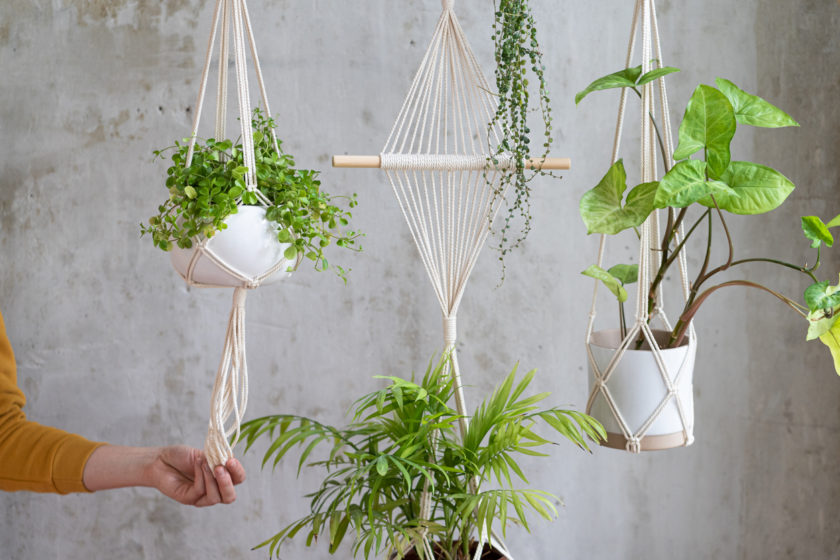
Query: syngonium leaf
[
  {"x": 824, "y": 318},
  {"x": 708, "y": 124},
  {"x": 625, "y": 273},
  {"x": 628, "y": 77},
  {"x": 623, "y": 78},
  {"x": 612, "y": 283},
  {"x": 686, "y": 183},
  {"x": 758, "y": 189},
  {"x": 655, "y": 74},
  {"x": 821, "y": 296},
  {"x": 601, "y": 208},
  {"x": 815, "y": 230},
  {"x": 753, "y": 110},
  {"x": 832, "y": 340}
]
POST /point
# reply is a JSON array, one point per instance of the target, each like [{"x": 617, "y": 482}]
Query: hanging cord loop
[{"x": 230, "y": 391}]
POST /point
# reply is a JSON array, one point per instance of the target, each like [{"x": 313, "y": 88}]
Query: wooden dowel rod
[{"x": 366, "y": 162}]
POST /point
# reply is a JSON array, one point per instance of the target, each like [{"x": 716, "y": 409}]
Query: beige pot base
[{"x": 648, "y": 443}]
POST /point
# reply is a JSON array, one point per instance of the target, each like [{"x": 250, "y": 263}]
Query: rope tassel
[{"x": 230, "y": 391}]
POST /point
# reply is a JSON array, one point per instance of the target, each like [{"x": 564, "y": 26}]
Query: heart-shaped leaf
[
  {"x": 655, "y": 74},
  {"x": 753, "y": 110},
  {"x": 622, "y": 78},
  {"x": 612, "y": 283},
  {"x": 709, "y": 123},
  {"x": 821, "y": 296},
  {"x": 625, "y": 273},
  {"x": 815, "y": 230},
  {"x": 758, "y": 189},
  {"x": 601, "y": 207},
  {"x": 686, "y": 183}
]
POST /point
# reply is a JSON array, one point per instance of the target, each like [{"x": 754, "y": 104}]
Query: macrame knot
[
  {"x": 450, "y": 331},
  {"x": 634, "y": 444},
  {"x": 448, "y": 4},
  {"x": 239, "y": 294}
]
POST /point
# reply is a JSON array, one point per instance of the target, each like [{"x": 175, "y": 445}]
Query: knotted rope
[
  {"x": 230, "y": 391},
  {"x": 439, "y": 162},
  {"x": 649, "y": 256}
]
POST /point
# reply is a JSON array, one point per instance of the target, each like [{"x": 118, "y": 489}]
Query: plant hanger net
[
  {"x": 443, "y": 168},
  {"x": 230, "y": 390},
  {"x": 649, "y": 254}
]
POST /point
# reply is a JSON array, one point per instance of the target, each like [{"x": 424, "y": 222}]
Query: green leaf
[
  {"x": 601, "y": 208},
  {"x": 290, "y": 253},
  {"x": 625, "y": 273},
  {"x": 822, "y": 296},
  {"x": 382, "y": 465},
  {"x": 753, "y": 110},
  {"x": 190, "y": 192},
  {"x": 831, "y": 338},
  {"x": 612, "y": 283},
  {"x": 758, "y": 189},
  {"x": 834, "y": 223},
  {"x": 815, "y": 230},
  {"x": 655, "y": 74},
  {"x": 709, "y": 123},
  {"x": 622, "y": 78},
  {"x": 686, "y": 183}
]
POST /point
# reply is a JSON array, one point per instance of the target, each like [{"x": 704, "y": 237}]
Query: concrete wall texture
[{"x": 111, "y": 344}]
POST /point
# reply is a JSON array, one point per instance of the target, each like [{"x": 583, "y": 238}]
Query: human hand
[
  {"x": 181, "y": 473},
  {"x": 178, "y": 472}
]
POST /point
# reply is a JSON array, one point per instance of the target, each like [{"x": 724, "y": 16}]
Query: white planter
[
  {"x": 638, "y": 388},
  {"x": 249, "y": 245}
]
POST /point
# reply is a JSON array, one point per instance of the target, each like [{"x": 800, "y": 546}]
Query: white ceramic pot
[
  {"x": 638, "y": 388},
  {"x": 249, "y": 245}
]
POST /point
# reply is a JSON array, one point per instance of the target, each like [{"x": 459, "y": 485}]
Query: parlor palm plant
[{"x": 404, "y": 445}]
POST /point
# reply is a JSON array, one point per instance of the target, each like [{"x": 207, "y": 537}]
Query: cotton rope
[
  {"x": 439, "y": 161},
  {"x": 649, "y": 255},
  {"x": 230, "y": 390}
]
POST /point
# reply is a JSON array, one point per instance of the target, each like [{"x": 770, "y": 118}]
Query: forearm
[{"x": 113, "y": 466}]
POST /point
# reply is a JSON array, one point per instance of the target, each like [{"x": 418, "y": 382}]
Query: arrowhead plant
[{"x": 703, "y": 185}]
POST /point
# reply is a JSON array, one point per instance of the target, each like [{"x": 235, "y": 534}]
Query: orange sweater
[{"x": 34, "y": 457}]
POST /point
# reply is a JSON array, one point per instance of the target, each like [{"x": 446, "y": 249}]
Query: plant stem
[
  {"x": 622, "y": 319},
  {"x": 728, "y": 262},
  {"x": 680, "y": 329},
  {"x": 801, "y": 269},
  {"x": 666, "y": 263}
]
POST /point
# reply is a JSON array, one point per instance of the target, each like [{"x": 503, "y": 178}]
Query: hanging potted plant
[
  {"x": 696, "y": 193},
  {"x": 287, "y": 217},
  {"x": 403, "y": 481}
]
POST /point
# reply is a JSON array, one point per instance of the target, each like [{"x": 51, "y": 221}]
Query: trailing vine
[{"x": 518, "y": 55}]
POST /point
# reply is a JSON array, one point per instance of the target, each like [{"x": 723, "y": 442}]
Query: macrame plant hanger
[
  {"x": 438, "y": 161},
  {"x": 649, "y": 255},
  {"x": 230, "y": 390}
]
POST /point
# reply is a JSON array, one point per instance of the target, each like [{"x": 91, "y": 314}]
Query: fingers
[
  {"x": 225, "y": 484},
  {"x": 236, "y": 470},
  {"x": 212, "y": 493}
]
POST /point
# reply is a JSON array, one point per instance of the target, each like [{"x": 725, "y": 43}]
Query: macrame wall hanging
[
  {"x": 438, "y": 161},
  {"x": 223, "y": 260},
  {"x": 641, "y": 392}
]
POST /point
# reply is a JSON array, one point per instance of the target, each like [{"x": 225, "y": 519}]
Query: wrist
[{"x": 112, "y": 466}]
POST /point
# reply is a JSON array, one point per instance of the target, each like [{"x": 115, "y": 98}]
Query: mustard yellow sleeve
[{"x": 34, "y": 457}]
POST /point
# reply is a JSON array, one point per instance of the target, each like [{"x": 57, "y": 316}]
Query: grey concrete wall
[{"x": 112, "y": 345}]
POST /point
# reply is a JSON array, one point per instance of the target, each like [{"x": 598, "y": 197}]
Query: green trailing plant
[
  {"x": 404, "y": 438},
  {"x": 706, "y": 180},
  {"x": 202, "y": 195},
  {"x": 518, "y": 56}
]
